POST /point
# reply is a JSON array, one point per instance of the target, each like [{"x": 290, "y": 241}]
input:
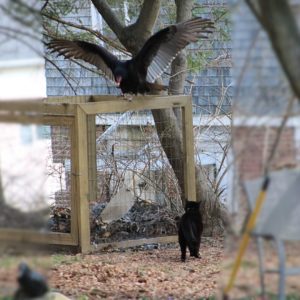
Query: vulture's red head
[
  {"x": 120, "y": 74},
  {"x": 118, "y": 80}
]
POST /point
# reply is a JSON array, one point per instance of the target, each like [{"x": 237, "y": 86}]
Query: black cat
[
  {"x": 190, "y": 228},
  {"x": 31, "y": 284}
]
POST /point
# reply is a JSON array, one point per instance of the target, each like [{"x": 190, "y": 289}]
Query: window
[{"x": 26, "y": 134}]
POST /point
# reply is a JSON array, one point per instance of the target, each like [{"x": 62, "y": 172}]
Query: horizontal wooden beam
[
  {"x": 23, "y": 110},
  {"x": 54, "y": 120},
  {"x": 31, "y": 236},
  {"x": 137, "y": 103},
  {"x": 69, "y": 99},
  {"x": 36, "y": 107},
  {"x": 134, "y": 243}
]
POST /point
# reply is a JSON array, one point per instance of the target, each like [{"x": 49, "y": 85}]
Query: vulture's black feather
[{"x": 138, "y": 74}]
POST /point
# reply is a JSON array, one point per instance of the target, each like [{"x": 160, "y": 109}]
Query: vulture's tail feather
[{"x": 157, "y": 87}]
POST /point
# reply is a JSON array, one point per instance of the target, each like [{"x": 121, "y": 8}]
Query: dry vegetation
[{"x": 151, "y": 273}]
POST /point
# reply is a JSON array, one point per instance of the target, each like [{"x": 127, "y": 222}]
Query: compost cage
[{"x": 108, "y": 178}]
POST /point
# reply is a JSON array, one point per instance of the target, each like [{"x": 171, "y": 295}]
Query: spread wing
[
  {"x": 88, "y": 52},
  {"x": 160, "y": 49}
]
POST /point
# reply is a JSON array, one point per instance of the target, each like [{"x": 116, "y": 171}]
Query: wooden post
[
  {"x": 92, "y": 160},
  {"x": 78, "y": 113},
  {"x": 82, "y": 184},
  {"x": 188, "y": 151},
  {"x": 74, "y": 183}
]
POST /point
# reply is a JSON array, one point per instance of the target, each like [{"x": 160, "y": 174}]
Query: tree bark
[
  {"x": 170, "y": 137},
  {"x": 279, "y": 22}
]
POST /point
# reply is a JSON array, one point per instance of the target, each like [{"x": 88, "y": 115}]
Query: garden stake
[{"x": 246, "y": 236}]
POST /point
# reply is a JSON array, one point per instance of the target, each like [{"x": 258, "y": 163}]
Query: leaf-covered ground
[{"x": 149, "y": 274}]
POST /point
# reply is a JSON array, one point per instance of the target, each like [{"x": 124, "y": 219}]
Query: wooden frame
[
  {"x": 32, "y": 113},
  {"x": 78, "y": 113}
]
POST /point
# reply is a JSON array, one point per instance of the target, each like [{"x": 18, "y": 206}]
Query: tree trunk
[{"x": 170, "y": 137}]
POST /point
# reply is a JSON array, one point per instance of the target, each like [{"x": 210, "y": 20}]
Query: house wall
[
  {"x": 262, "y": 94},
  {"x": 24, "y": 148},
  {"x": 22, "y": 79},
  {"x": 253, "y": 146}
]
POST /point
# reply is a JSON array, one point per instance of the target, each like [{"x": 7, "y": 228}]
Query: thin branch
[
  {"x": 41, "y": 55},
  {"x": 95, "y": 33},
  {"x": 45, "y": 5},
  {"x": 43, "y": 13},
  {"x": 17, "y": 31}
]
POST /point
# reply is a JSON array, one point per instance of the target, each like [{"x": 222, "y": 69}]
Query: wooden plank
[
  {"x": 30, "y": 236},
  {"x": 69, "y": 99},
  {"x": 134, "y": 243},
  {"x": 138, "y": 103},
  {"x": 38, "y": 107},
  {"x": 105, "y": 103},
  {"x": 105, "y": 98},
  {"x": 59, "y": 109},
  {"x": 59, "y": 120},
  {"x": 21, "y": 119},
  {"x": 74, "y": 182},
  {"x": 188, "y": 151},
  {"x": 27, "y": 104},
  {"x": 40, "y": 120},
  {"x": 92, "y": 159},
  {"x": 81, "y": 173}
]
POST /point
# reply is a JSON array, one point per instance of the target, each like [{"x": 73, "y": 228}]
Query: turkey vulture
[
  {"x": 31, "y": 284},
  {"x": 137, "y": 75}
]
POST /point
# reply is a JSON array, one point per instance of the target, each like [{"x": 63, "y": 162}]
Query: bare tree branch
[
  {"x": 44, "y": 5},
  {"x": 95, "y": 33},
  {"x": 17, "y": 37},
  {"x": 279, "y": 22},
  {"x": 133, "y": 36}
]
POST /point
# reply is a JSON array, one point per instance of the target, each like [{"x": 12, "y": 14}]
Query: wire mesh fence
[
  {"x": 138, "y": 194},
  {"x": 94, "y": 177}
]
